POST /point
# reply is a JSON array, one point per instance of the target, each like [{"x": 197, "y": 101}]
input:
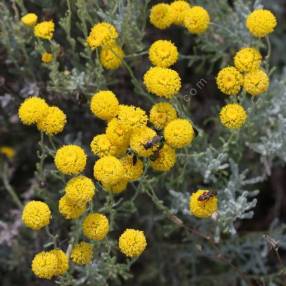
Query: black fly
[
  {"x": 155, "y": 140},
  {"x": 205, "y": 196}
]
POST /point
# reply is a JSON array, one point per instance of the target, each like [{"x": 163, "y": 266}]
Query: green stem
[{"x": 10, "y": 189}]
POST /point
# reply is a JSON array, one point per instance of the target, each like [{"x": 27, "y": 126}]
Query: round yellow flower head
[
  {"x": 196, "y": 20},
  {"x": 233, "y": 116},
  {"x": 80, "y": 190},
  {"x": 247, "y": 59},
  {"x": 132, "y": 117},
  {"x": 139, "y": 138},
  {"x": 70, "y": 159},
  {"x": 48, "y": 264},
  {"x": 163, "y": 53},
  {"x": 29, "y": 19},
  {"x": 7, "y": 151},
  {"x": 108, "y": 170},
  {"x": 47, "y": 58},
  {"x": 95, "y": 226},
  {"x": 44, "y": 265},
  {"x": 179, "y": 133},
  {"x": 45, "y": 30},
  {"x": 261, "y": 22},
  {"x": 132, "y": 172},
  {"x": 116, "y": 188},
  {"x": 111, "y": 57},
  {"x": 118, "y": 133},
  {"x": 36, "y": 215},
  {"x": 161, "y": 114},
  {"x": 62, "y": 262},
  {"x": 82, "y": 253},
  {"x": 161, "y": 16},
  {"x": 102, "y": 34},
  {"x": 132, "y": 242},
  {"x": 53, "y": 122},
  {"x": 32, "y": 110},
  {"x": 162, "y": 82},
  {"x": 70, "y": 210},
  {"x": 104, "y": 104},
  {"x": 101, "y": 146},
  {"x": 202, "y": 208},
  {"x": 179, "y": 8},
  {"x": 165, "y": 160},
  {"x": 256, "y": 82},
  {"x": 229, "y": 81}
]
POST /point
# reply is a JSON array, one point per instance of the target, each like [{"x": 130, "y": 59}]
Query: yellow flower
[
  {"x": 179, "y": 133},
  {"x": 132, "y": 171},
  {"x": 32, "y": 110},
  {"x": 53, "y": 122},
  {"x": 29, "y": 19},
  {"x": 118, "y": 133},
  {"x": 108, "y": 170},
  {"x": 163, "y": 53},
  {"x": 132, "y": 242},
  {"x": 161, "y": 16},
  {"x": 44, "y": 265},
  {"x": 104, "y": 104},
  {"x": 102, "y": 34},
  {"x": 101, "y": 146},
  {"x": 69, "y": 210},
  {"x": 44, "y": 30},
  {"x": 36, "y": 215},
  {"x": 162, "y": 82},
  {"x": 80, "y": 190},
  {"x": 165, "y": 160},
  {"x": 256, "y": 82},
  {"x": 82, "y": 253},
  {"x": 116, "y": 188},
  {"x": 161, "y": 114},
  {"x": 196, "y": 20},
  {"x": 70, "y": 159},
  {"x": 179, "y": 8},
  {"x": 95, "y": 226},
  {"x": 247, "y": 59},
  {"x": 47, "y": 58},
  {"x": 261, "y": 22},
  {"x": 205, "y": 208},
  {"x": 47, "y": 264},
  {"x": 7, "y": 151},
  {"x": 132, "y": 117},
  {"x": 111, "y": 56},
  {"x": 229, "y": 81},
  {"x": 139, "y": 138},
  {"x": 233, "y": 116},
  {"x": 62, "y": 262}
]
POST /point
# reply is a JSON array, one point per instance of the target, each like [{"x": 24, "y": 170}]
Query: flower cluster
[
  {"x": 49, "y": 264},
  {"x": 104, "y": 36},
  {"x": 128, "y": 140},
  {"x": 50, "y": 120},
  {"x": 247, "y": 74},
  {"x": 194, "y": 18}
]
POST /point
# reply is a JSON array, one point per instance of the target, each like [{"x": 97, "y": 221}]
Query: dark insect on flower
[
  {"x": 155, "y": 140},
  {"x": 134, "y": 159},
  {"x": 207, "y": 195}
]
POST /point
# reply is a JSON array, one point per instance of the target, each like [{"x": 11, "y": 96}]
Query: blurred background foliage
[{"x": 245, "y": 244}]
